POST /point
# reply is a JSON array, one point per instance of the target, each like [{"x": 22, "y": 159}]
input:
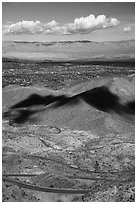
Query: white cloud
[
  {"x": 81, "y": 25},
  {"x": 52, "y": 23},
  {"x": 90, "y": 24},
  {"x": 28, "y": 27},
  {"x": 127, "y": 29}
]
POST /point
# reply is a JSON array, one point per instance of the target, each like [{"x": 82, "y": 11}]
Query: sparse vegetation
[
  {"x": 57, "y": 75},
  {"x": 96, "y": 160}
]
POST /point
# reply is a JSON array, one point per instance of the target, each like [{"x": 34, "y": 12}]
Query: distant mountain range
[
  {"x": 72, "y": 41},
  {"x": 70, "y": 50}
]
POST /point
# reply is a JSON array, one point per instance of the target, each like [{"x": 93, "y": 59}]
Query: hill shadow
[{"x": 100, "y": 98}]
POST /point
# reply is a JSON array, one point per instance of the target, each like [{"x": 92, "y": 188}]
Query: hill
[{"x": 74, "y": 144}]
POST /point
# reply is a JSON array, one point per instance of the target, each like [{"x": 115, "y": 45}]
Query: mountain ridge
[{"x": 67, "y": 41}]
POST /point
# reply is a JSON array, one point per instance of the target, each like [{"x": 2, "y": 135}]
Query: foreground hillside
[
  {"x": 70, "y": 50},
  {"x": 75, "y": 144}
]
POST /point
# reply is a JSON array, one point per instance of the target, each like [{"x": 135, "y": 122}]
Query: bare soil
[{"x": 72, "y": 153}]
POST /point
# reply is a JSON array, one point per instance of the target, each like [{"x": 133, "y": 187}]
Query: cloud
[
  {"x": 81, "y": 25},
  {"x": 90, "y": 24},
  {"x": 24, "y": 27},
  {"x": 127, "y": 29},
  {"x": 31, "y": 27}
]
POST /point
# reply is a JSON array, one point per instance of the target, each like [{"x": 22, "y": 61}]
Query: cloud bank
[{"x": 83, "y": 25}]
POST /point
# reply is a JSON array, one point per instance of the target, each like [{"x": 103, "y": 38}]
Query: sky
[{"x": 62, "y": 21}]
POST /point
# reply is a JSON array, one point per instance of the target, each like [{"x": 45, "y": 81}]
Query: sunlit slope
[{"x": 100, "y": 107}]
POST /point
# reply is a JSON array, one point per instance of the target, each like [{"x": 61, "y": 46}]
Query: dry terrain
[
  {"x": 68, "y": 151},
  {"x": 68, "y": 131}
]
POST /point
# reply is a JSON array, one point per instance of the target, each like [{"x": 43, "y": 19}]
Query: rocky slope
[{"x": 69, "y": 148}]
